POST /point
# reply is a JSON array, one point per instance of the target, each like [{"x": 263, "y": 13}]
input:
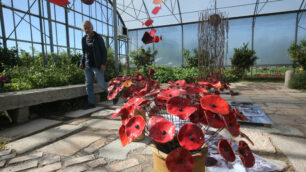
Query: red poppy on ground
[
  {"x": 123, "y": 138},
  {"x": 113, "y": 93},
  {"x": 198, "y": 116},
  {"x": 181, "y": 107},
  {"x": 169, "y": 93},
  {"x": 135, "y": 127},
  {"x": 110, "y": 87},
  {"x": 156, "y": 10},
  {"x": 246, "y": 137},
  {"x": 179, "y": 83},
  {"x": 217, "y": 92},
  {"x": 156, "y": 110},
  {"x": 225, "y": 150},
  {"x": 156, "y": 2},
  {"x": 190, "y": 136},
  {"x": 152, "y": 32},
  {"x": 195, "y": 91},
  {"x": 231, "y": 124},
  {"x": 213, "y": 119},
  {"x": 151, "y": 93},
  {"x": 204, "y": 84},
  {"x": 239, "y": 115},
  {"x": 217, "y": 85},
  {"x": 147, "y": 38},
  {"x": 246, "y": 154},
  {"x": 148, "y": 22},
  {"x": 180, "y": 160},
  {"x": 88, "y": 2},
  {"x": 60, "y": 2},
  {"x": 161, "y": 130},
  {"x": 215, "y": 104},
  {"x": 124, "y": 110}
]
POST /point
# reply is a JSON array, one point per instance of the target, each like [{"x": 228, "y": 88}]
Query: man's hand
[
  {"x": 81, "y": 66},
  {"x": 103, "y": 67}
]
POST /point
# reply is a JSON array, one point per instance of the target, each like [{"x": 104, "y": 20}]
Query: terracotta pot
[
  {"x": 159, "y": 160},
  {"x": 142, "y": 113}
]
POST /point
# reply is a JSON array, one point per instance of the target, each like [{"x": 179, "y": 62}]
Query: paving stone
[
  {"x": 50, "y": 159},
  {"x": 2, "y": 163},
  {"x": 25, "y": 158},
  {"x": 47, "y": 168},
  {"x": 78, "y": 160},
  {"x": 29, "y": 143},
  {"x": 276, "y": 129},
  {"x": 28, "y": 128},
  {"x": 9, "y": 156},
  {"x": 20, "y": 166},
  {"x": 147, "y": 151},
  {"x": 294, "y": 148},
  {"x": 97, "y": 162},
  {"x": 72, "y": 144},
  {"x": 281, "y": 165},
  {"x": 103, "y": 113},
  {"x": 5, "y": 152},
  {"x": 124, "y": 164},
  {"x": 114, "y": 150},
  {"x": 78, "y": 121},
  {"x": 103, "y": 124},
  {"x": 95, "y": 146},
  {"x": 80, "y": 113},
  {"x": 77, "y": 168}
]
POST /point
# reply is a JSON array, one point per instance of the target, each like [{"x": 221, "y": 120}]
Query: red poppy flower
[
  {"x": 169, "y": 93},
  {"x": 60, "y": 2},
  {"x": 194, "y": 91},
  {"x": 246, "y": 154},
  {"x": 113, "y": 93},
  {"x": 239, "y": 115},
  {"x": 148, "y": 22},
  {"x": 110, "y": 87},
  {"x": 198, "y": 116},
  {"x": 152, "y": 93},
  {"x": 214, "y": 120},
  {"x": 161, "y": 130},
  {"x": 246, "y": 137},
  {"x": 231, "y": 124},
  {"x": 179, "y": 83},
  {"x": 88, "y": 2},
  {"x": 156, "y": 110},
  {"x": 181, "y": 107},
  {"x": 180, "y": 160},
  {"x": 125, "y": 118},
  {"x": 135, "y": 127},
  {"x": 217, "y": 85},
  {"x": 190, "y": 136},
  {"x": 225, "y": 150},
  {"x": 215, "y": 104},
  {"x": 204, "y": 84},
  {"x": 156, "y": 10},
  {"x": 121, "y": 111},
  {"x": 123, "y": 138},
  {"x": 157, "y": 38}
]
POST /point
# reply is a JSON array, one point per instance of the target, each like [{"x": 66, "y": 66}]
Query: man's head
[{"x": 87, "y": 27}]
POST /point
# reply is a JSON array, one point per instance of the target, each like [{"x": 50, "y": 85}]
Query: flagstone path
[{"x": 86, "y": 140}]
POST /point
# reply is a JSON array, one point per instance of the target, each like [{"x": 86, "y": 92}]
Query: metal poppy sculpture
[{"x": 194, "y": 103}]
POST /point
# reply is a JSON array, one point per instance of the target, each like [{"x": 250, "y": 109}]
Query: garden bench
[{"x": 20, "y": 101}]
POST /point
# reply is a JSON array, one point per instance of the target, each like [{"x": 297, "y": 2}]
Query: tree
[{"x": 143, "y": 58}]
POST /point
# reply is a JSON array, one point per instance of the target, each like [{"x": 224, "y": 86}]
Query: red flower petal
[
  {"x": 190, "y": 136},
  {"x": 123, "y": 138},
  {"x": 239, "y": 115},
  {"x": 121, "y": 111},
  {"x": 214, "y": 120},
  {"x": 148, "y": 22},
  {"x": 231, "y": 124},
  {"x": 225, "y": 150},
  {"x": 110, "y": 87},
  {"x": 169, "y": 93},
  {"x": 246, "y": 137},
  {"x": 161, "y": 130},
  {"x": 246, "y": 155},
  {"x": 198, "y": 116},
  {"x": 179, "y": 83},
  {"x": 151, "y": 71},
  {"x": 181, "y": 107},
  {"x": 156, "y": 10},
  {"x": 135, "y": 127},
  {"x": 215, "y": 104},
  {"x": 60, "y": 2},
  {"x": 195, "y": 90},
  {"x": 180, "y": 160}
]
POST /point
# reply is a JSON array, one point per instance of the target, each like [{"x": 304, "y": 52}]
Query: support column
[
  {"x": 2, "y": 26},
  {"x": 115, "y": 35},
  {"x": 41, "y": 34},
  {"x": 67, "y": 30},
  {"x": 50, "y": 27}
]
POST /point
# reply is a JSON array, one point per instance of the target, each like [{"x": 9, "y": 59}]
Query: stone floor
[{"x": 86, "y": 140}]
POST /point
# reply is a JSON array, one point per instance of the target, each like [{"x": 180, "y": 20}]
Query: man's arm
[{"x": 82, "y": 61}]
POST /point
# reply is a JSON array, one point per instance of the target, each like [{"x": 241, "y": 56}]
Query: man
[{"x": 93, "y": 62}]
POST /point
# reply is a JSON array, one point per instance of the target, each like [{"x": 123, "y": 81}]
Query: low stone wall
[{"x": 21, "y": 100}]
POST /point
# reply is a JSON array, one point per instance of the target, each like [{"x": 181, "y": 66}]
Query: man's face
[{"x": 88, "y": 28}]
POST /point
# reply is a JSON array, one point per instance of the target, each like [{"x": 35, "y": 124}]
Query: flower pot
[
  {"x": 159, "y": 160},
  {"x": 142, "y": 113}
]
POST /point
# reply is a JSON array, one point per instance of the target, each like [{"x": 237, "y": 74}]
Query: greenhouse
[{"x": 153, "y": 85}]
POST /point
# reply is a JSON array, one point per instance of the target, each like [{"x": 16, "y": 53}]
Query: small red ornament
[{"x": 88, "y": 2}]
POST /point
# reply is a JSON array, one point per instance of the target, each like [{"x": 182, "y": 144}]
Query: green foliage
[
  {"x": 298, "y": 81},
  {"x": 110, "y": 71},
  {"x": 191, "y": 61},
  {"x": 142, "y": 58},
  {"x": 243, "y": 59},
  {"x": 297, "y": 52},
  {"x": 8, "y": 58}
]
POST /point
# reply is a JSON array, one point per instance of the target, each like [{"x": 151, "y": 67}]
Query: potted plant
[{"x": 180, "y": 116}]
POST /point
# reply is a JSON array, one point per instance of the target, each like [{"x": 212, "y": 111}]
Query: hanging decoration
[
  {"x": 59, "y": 2},
  {"x": 88, "y": 2},
  {"x": 156, "y": 10},
  {"x": 148, "y": 22}
]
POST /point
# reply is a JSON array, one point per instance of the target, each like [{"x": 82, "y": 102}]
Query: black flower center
[
  {"x": 241, "y": 151},
  {"x": 164, "y": 132},
  {"x": 165, "y": 100},
  {"x": 177, "y": 83},
  {"x": 130, "y": 116},
  {"x": 213, "y": 105},
  {"x": 170, "y": 95},
  {"x": 180, "y": 109},
  {"x": 191, "y": 138},
  {"x": 226, "y": 149},
  {"x": 137, "y": 126},
  {"x": 180, "y": 161}
]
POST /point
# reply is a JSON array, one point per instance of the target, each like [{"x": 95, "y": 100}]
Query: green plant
[
  {"x": 297, "y": 53},
  {"x": 298, "y": 81},
  {"x": 243, "y": 59},
  {"x": 143, "y": 58},
  {"x": 191, "y": 61},
  {"x": 8, "y": 58}
]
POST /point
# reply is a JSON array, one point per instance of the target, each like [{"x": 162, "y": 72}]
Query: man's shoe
[
  {"x": 115, "y": 100},
  {"x": 88, "y": 106}
]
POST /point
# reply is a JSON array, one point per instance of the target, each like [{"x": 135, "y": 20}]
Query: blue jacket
[{"x": 100, "y": 52}]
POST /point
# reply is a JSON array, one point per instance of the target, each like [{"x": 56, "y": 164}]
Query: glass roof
[{"x": 135, "y": 12}]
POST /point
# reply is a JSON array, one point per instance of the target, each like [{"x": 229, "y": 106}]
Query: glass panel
[
  {"x": 133, "y": 40},
  {"x": 23, "y": 28},
  {"x": 36, "y": 29},
  {"x": 8, "y": 22},
  {"x": 190, "y": 36},
  {"x": 273, "y": 36},
  {"x": 61, "y": 31},
  {"x": 302, "y": 28},
  {"x": 60, "y": 13}
]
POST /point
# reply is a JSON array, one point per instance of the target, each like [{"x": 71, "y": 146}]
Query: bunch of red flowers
[{"x": 199, "y": 104}]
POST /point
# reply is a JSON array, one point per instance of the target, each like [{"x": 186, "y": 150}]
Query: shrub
[
  {"x": 298, "y": 81},
  {"x": 242, "y": 60},
  {"x": 8, "y": 58},
  {"x": 297, "y": 52},
  {"x": 191, "y": 61},
  {"x": 142, "y": 58}
]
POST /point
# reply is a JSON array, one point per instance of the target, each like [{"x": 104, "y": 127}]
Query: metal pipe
[
  {"x": 2, "y": 26},
  {"x": 115, "y": 35},
  {"x": 41, "y": 34},
  {"x": 50, "y": 27}
]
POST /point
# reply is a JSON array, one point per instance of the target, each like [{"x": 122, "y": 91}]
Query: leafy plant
[
  {"x": 143, "y": 58},
  {"x": 191, "y": 61},
  {"x": 8, "y": 58},
  {"x": 297, "y": 53},
  {"x": 242, "y": 60},
  {"x": 298, "y": 81}
]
